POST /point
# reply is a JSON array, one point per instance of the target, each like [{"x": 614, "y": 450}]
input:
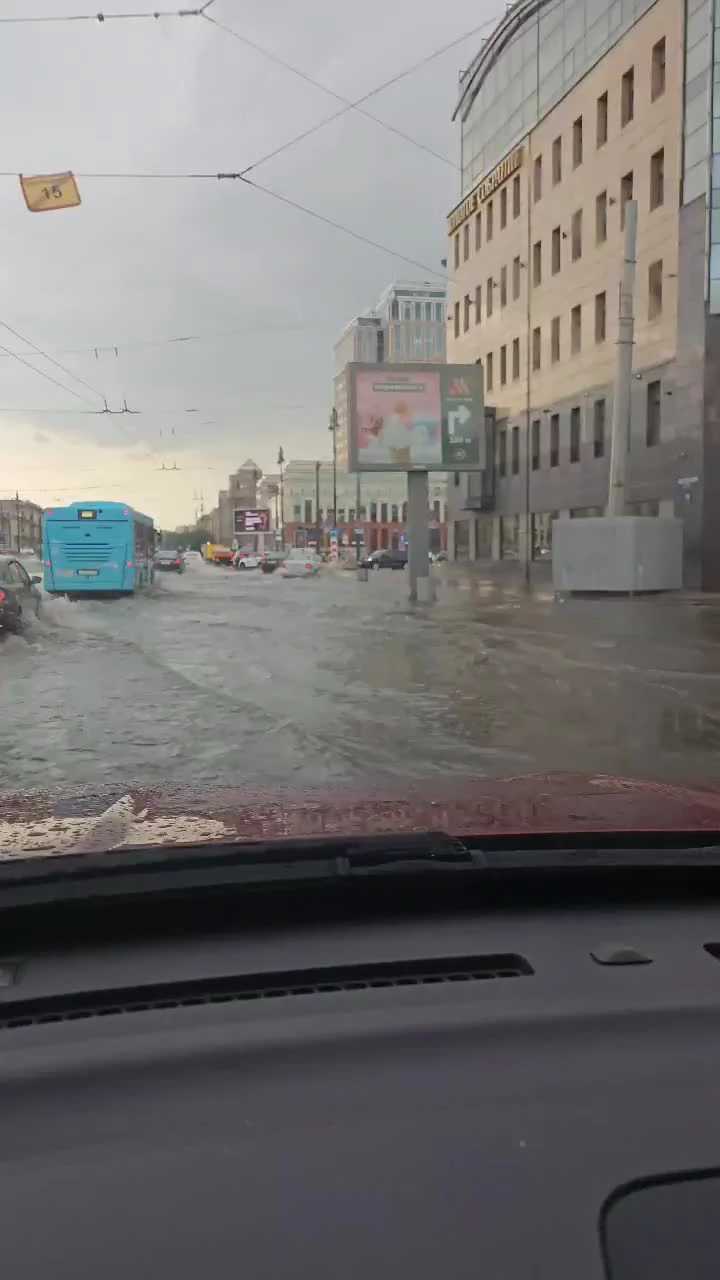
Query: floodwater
[{"x": 229, "y": 677}]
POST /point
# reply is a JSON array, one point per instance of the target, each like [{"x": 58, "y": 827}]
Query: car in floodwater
[
  {"x": 19, "y": 594},
  {"x": 169, "y": 561},
  {"x": 301, "y": 564}
]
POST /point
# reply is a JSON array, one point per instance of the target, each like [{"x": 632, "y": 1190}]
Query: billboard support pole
[{"x": 418, "y": 537}]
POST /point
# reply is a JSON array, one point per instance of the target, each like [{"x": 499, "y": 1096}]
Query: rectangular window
[
  {"x": 576, "y": 235},
  {"x": 599, "y": 429},
  {"x": 503, "y": 365},
  {"x": 478, "y": 231},
  {"x": 657, "y": 72},
  {"x": 575, "y": 434},
  {"x": 537, "y": 262},
  {"x": 537, "y": 178},
  {"x": 575, "y": 330},
  {"x": 555, "y": 263},
  {"x": 555, "y": 339},
  {"x": 516, "y": 196},
  {"x": 555, "y": 440},
  {"x": 601, "y": 120},
  {"x": 557, "y": 161},
  {"x": 516, "y": 359},
  {"x": 577, "y": 142},
  {"x": 627, "y": 97},
  {"x": 657, "y": 178},
  {"x": 466, "y": 313},
  {"x": 515, "y": 450},
  {"x": 383, "y": 513},
  {"x": 652, "y": 414},
  {"x": 503, "y": 286},
  {"x": 516, "y": 279},
  {"x": 457, "y": 319},
  {"x": 601, "y": 205},
  {"x": 457, "y": 250},
  {"x": 478, "y": 304},
  {"x": 489, "y": 371},
  {"x": 502, "y": 451},
  {"x": 655, "y": 289},
  {"x": 489, "y": 297},
  {"x": 489, "y": 221},
  {"x": 626, "y": 193},
  {"x": 600, "y": 316},
  {"x": 503, "y": 208},
  {"x": 535, "y": 445},
  {"x": 536, "y": 347},
  {"x": 466, "y": 242}
]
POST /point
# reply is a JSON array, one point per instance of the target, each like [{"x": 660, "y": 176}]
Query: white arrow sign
[{"x": 458, "y": 417}]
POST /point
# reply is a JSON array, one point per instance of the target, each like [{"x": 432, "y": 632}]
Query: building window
[
  {"x": 516, "y": 279},
  {"x": 555, "y": 339},
  {"x": 537, "y": 262},
  {"x": 466, "y": 313},
  {"x": 457, "y": 319},
  {"x": 599, "y": 429},
  {"x": 503, "y": 208},
  {"x": 503, "y": 286},
  {"x": 537, "y": 178},
  {"x": 503, "y": 365},
  {"x": 655, "y": 289},
  {"x": 478, "y": 304},
  {"x": 516, "y": 359},
  {"x": 457, "y": 252},
  {"x": 557, "y": 161},
  {"x": 502, "y": 451},
  {"x": 489, "y": 297},
  {"x": 478, "y": 231},
  {"x": 555, "y": 252},
  {"x": 383, "y": 512},
  {"x": 626, "y": 193},
  {"x": 515, "y": 450},
  {"x": 489, "y": 221},
  {"x": 657, "y": 73},
  {"x": 601, "y": 120},
  {"x": 657, "y": 178},
  {"x": 466, "y": 243},
  {"x": 576, "y": 235},
  {"x": 555, "y": 440},
  {"x": 535, "y": 445},
  {"x": 601, "y": 218},
  {"x": 575, "y": 330},
  {"x": 575, "y": 434},
  {"x": 536, "y": 347},
  {"x": 516, "y": 196},
  {"x": 577, "y": 139},
  {"x": 489, "y": 371},
  {"x": 652, "y": 414},
  {"x": 600, "y": 316},
  {"x": 627, "y": 97}
]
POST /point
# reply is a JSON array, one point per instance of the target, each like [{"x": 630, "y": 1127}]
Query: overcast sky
[{"x": 261, "y": 289}]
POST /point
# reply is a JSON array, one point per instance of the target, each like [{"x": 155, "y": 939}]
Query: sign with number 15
[{"x": 50, "y": 191}]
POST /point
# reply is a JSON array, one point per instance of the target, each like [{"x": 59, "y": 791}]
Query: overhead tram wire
[
  {"x": 38, "y": 350},
  {"x": 154, "y": 15},
  {"x": 49, "y": 378}
]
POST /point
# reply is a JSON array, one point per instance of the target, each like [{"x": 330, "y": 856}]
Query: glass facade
[{"x": 528, "y": 65}]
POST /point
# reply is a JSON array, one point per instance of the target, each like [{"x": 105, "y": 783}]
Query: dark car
[
  {"x": 19, "y": 596},
  {"x": 395, "y": 559},
  {"x": 169, "y": 561}
]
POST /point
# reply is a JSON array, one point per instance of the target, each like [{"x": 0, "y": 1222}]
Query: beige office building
[{"x": 571, "y": 109}]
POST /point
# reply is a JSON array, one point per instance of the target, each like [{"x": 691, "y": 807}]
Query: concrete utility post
[{"x": 620, "y": 438}]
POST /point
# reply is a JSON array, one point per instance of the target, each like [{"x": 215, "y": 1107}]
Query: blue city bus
[{"x": 97, "y": 548}]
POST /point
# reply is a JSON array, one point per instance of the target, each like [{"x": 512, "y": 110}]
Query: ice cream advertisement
[{"x": 403, "y": 417}]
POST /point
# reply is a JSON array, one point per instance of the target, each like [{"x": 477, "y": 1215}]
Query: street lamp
[
  {"x": 333, "y": 430},
  {"x": 281, "y": 463}
]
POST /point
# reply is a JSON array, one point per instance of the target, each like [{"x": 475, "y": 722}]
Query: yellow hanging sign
[{"x": 50, "y": 191}]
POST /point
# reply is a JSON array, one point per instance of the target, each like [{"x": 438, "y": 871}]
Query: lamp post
[
  {"x": 281, "y": 463},
  {"x": 333, "y": 430}
]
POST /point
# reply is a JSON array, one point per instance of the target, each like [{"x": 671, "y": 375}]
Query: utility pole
[
  {"x": 357, "y": 516},
  {"x": 333, "y": 429},
  {"x": 620, "y": 438},
  {"x": 318, "y": 519},
  {"x": 281, "y": 463},
  {"x": 17, "y": 520}
]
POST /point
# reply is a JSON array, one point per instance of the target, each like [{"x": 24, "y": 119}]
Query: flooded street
[{"x": 225, "y": 677}]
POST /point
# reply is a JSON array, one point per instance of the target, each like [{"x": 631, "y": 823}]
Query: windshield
[{"x": 357, "y": 409}]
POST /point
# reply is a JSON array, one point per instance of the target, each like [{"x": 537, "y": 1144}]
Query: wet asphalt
[{"x": 225, "y": 677}]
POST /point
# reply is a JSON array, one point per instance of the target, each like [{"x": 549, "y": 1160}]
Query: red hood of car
[{"x": 46, "y": 823}]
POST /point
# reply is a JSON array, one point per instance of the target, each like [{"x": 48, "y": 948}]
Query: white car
[
  {"x": 301, "y": 564},
  {"x": 245, "y": 560}
]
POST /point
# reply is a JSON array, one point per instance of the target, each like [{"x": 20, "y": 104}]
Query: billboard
[
  {"x": 251, "y": 521},
  {"x": 416, "y": 416}
]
